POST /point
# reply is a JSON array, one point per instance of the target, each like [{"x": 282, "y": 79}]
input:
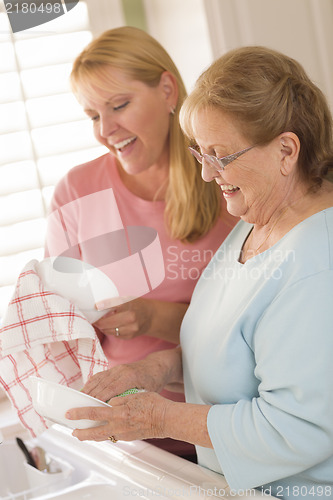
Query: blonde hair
[
  {"x": 267, "y": 93},
  {"x": 192, "y": 206}
]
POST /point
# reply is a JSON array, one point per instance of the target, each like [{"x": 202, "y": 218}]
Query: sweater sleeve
[{"x": 288, "y": 428}]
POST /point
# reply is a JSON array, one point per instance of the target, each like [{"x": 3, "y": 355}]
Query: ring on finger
[
  {"x": 117, "y": 331},
  {"x": 112, "y": 439}
]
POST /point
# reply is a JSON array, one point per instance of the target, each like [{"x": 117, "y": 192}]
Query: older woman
[{"x": 257, "y": 339}]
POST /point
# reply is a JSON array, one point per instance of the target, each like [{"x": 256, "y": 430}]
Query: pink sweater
[{"x": 93, "y": 210}]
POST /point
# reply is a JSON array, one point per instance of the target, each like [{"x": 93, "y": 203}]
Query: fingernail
[
  {"x": 68, "y": 415},
  {"x": 100, "y": 305}
]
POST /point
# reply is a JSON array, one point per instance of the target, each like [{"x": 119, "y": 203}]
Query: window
[{"x": 43, "y": 132}]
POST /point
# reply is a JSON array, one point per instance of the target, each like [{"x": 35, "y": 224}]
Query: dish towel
[{"x": 45, "y": 335}]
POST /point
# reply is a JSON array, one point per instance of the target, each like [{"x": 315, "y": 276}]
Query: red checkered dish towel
[{"x": 45, "y": 335}]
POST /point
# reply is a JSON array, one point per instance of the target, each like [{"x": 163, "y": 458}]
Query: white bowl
[
  {"x": 79, "y": 282},
  {"x": 52, "y": 400}
]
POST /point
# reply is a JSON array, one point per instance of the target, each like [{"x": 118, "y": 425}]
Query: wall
[
  {"x": 181, "y": 27},
  {"x": 301, "y": 29},
  {"x": 104, "y": 15}
]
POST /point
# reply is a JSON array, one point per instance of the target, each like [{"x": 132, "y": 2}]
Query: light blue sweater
[{"x": 257, "y": 345}]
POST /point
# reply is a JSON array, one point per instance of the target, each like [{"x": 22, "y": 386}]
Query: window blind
[{"x": 43, "y": 132}]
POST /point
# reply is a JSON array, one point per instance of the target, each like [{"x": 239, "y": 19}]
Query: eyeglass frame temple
[{"x": 233, "y": 156}]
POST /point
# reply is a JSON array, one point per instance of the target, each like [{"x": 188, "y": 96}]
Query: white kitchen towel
[{"x": 45, "y": 335}]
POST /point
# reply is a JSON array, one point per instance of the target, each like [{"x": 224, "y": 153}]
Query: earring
[{"x": 172, "y": 110}]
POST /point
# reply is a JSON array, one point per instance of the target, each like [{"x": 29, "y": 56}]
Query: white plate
[
  {"x": 52, "y": 400},
  {"x": 79, "y": 282}
]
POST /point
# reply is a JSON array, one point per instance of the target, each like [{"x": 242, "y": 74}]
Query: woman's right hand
[{"x": 151, "y": 374}]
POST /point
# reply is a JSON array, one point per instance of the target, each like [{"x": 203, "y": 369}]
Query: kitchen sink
[{"x": 91, "y": 470}]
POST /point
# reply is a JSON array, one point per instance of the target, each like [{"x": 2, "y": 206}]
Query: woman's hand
[
  {"x": 109, "y": 383},
  {"x": 142, "y": 317},
  {"x": 128, "y": 320},
  {"x": 151, "y": 374},
  {"x": 137, "y": 416},
  {"x": 144, "y": 416}
]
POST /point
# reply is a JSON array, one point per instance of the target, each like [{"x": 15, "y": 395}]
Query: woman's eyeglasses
[{"x": 218, "y": 163}]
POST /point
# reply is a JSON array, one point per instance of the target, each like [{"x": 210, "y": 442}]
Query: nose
[
  {"x": 107, "y": 126},
  {"x": 208, "y": 171}
]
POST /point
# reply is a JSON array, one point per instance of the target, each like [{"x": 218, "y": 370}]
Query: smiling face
[
  {"x": 253, "y": 184},
  {"x": 132, "y": 120}
]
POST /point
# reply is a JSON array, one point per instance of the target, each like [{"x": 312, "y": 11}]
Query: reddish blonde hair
[{"x": 268, "y": 93}]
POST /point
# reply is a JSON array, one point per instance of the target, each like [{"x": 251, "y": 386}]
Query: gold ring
[
  {"x": 117, "y": 331},
  {"x": 112, "y": 439}
]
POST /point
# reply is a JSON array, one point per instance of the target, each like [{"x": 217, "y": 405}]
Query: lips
[{"x": 120, "y": 146}]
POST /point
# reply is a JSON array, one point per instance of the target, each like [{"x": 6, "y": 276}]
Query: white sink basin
[{"x": 91, "y": 470}]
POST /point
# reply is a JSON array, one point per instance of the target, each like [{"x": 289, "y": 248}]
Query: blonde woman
[{"x": 132, "y": 91}]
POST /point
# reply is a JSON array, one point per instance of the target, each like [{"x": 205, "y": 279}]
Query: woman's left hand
[
  {"x": 156, "y": 318},
  {"x": 127, "y": 320},
  {"x": 137, "y": 416}
]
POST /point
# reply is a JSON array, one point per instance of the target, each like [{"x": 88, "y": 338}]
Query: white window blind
[{"x": 43, "y": 132}]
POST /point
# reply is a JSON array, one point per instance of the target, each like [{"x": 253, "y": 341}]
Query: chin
[{"x": 235, "y": 211}]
